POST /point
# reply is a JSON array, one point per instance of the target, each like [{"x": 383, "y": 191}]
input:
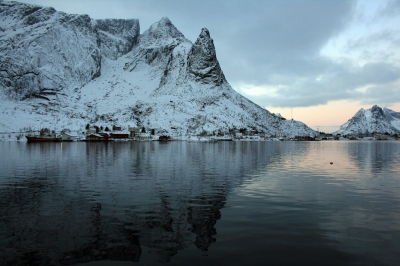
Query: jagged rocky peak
[
  {"x": 161, "y": 33},
  {"x": 377, "y": 112},
  {"x": 202, "y": 61},
  {"x": 155, "y": 46}
]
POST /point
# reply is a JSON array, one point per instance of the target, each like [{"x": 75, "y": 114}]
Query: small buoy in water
[{"x": 331, "y": 163}]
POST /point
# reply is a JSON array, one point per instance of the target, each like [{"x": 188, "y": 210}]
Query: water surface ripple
[{"x": 190, "y": 203}]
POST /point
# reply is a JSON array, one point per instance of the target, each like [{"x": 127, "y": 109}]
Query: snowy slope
[
  {"x": 158, "y": 80},
  {"x": 374, "y": 120}
]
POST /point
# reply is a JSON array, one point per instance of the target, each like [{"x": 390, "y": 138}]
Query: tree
[
  {"x": 87, "y": 126},
  {"x": 106, "y": 129},
  {"x": 143, "y": 130}
]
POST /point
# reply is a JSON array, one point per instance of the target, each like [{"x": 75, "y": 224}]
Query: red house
[{"x": 97, "y": 137}]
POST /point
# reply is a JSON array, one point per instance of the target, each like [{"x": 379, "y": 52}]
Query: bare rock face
[
  {"x": 44, "y": 52},
  {"x": 202, "y": 61},
  {"x": 117, "y": 36}
]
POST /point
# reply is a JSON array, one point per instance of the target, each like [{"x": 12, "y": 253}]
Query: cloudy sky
[{"x": 318, "y": 61}]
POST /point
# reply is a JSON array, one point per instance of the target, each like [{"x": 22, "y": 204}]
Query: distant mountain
[
  {"x": 374, "y": 120},
  {"x": 64, "y": 71}
]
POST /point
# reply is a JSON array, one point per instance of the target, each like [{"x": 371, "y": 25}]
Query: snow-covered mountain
[
  {"x": 374, "y": 120},
  {"x": 64, "y": 71}
]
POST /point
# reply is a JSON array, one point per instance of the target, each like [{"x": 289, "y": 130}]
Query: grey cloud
[
  {"x": 382, "y": 95},
  {"x": 374, "y": 38},
  {"x": 391, "y": 9},
  {"x": 382, "y": 80},
  {"x": 284, "y": 36},
  {"x": 378, "y": 73}
]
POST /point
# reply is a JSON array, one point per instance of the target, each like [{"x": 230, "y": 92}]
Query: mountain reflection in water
[{"x": 203, "y": 203}]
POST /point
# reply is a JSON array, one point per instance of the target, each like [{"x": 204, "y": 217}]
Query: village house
[
  {"x": 97, "y": 137},
  {"x": 119, "y": 135},
  {"x": 142, "y": 136},
  {"x": 91, "y": 130},
  {"x": 133, "y": 131}
]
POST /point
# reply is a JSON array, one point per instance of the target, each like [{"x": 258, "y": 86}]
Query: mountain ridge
[
  {"x": 373, "y": 120},
  {"x": 157, "y": 80}
]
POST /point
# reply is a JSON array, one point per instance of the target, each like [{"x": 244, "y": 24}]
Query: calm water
[{"x": 186, "y": 203}]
